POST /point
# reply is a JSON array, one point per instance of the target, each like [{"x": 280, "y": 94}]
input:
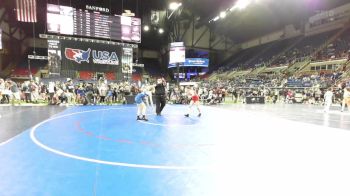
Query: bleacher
[
  {"x": 152, "y": 67},
  {"x": 240, "y": 58},
  {"x": 290, "y": 56},
  {"x": 295, "y": 83},
  {"x": 336, "y": 50},
  {"x": 21, "y": 71}
]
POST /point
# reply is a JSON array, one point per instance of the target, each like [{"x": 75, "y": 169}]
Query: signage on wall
[
  {"x": 98, "y": 57},
  {"x": 97, "y": 9},
  {"x": 192, "y": 62}
]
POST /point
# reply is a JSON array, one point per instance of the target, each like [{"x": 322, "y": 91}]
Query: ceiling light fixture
[
  {"x": 241, "y": 4},
  {"x": 146, "y": 28},
  {"x": 216, "y": 18},
  {"x": 174, "y": 5},
  {"x": 223, "y": 14}
]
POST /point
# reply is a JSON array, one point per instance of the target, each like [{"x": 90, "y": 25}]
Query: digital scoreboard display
[{"x": 70, "y": 21}]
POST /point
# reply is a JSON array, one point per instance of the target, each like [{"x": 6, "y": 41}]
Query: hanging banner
[
  {"x": 97, "y": 57},
  {"x": 54, "y": 58},
  {"x": 127, "y": 61}
]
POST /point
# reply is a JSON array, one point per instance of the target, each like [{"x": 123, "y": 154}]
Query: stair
[
  {"x": 346, "y": 75},
  {"x": 297, "y": 66},
  {"x": 257, "y": 71}
]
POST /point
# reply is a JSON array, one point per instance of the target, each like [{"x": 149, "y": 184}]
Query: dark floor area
[{"x": 16, "y": 119}]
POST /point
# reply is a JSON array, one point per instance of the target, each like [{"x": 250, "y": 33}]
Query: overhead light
[
  {"x": 222, "y": 14},
  {"x": 128, "y": 13},
  {"x": 146, "y": 28},
  {"x": 216, "y": 18},
  {"x": 241, "y": 4},
  {"x": 161, "y": 31},
  {"x": 174, "y": 5}
]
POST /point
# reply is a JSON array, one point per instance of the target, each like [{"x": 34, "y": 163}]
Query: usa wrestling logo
[{"x": 78, "y": 55}]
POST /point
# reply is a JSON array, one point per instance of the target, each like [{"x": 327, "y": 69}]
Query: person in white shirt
[
  {"x": 149, "y": 89},
  {"x": 346, "y": 99},
  {"x": 328, "y": 99},
  {"x": 34, "y": 88},
  {"x": 51, "y": 90},
  {"x": 2, "y": 89},
  {"x": 102, "y": 91}
]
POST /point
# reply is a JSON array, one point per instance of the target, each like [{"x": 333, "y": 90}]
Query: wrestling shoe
[
  {"x": 138, "y": 118},
  {"x": 200, "y": 114},
  {"x": 187, "y": 115},
  {"x": 144, "y": 118}
]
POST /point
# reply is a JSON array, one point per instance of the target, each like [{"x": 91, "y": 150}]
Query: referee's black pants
[{"x": 160, "y": 103}]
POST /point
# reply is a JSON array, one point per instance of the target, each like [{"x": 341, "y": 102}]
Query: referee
[{"x": 160, "y": 95}]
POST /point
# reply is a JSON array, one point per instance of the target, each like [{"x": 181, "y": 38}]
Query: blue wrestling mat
[{"x": 103, "y": 151}]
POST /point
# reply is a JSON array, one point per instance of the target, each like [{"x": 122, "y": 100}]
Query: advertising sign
[{"x": 192, "y": 62}]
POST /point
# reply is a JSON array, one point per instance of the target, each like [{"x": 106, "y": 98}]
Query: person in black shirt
[
  {"x": 89, "y": 92},
  {"x": 160, "y": 95}
]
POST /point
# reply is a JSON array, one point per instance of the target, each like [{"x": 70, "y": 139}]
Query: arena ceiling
[{"x": 259, "y": 18}]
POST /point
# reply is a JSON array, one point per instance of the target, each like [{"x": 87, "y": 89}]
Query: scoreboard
[{"x": 70, "y": 21}]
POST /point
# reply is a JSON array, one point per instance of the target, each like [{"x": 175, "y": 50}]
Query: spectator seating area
[
  {"x": 299, "y": 56},
  {"x": 289, "y": 51},
  {"x": 22, "y": 69},
  {"x": 152, "y": 67},
  {"x": 306, "y": 65}
]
